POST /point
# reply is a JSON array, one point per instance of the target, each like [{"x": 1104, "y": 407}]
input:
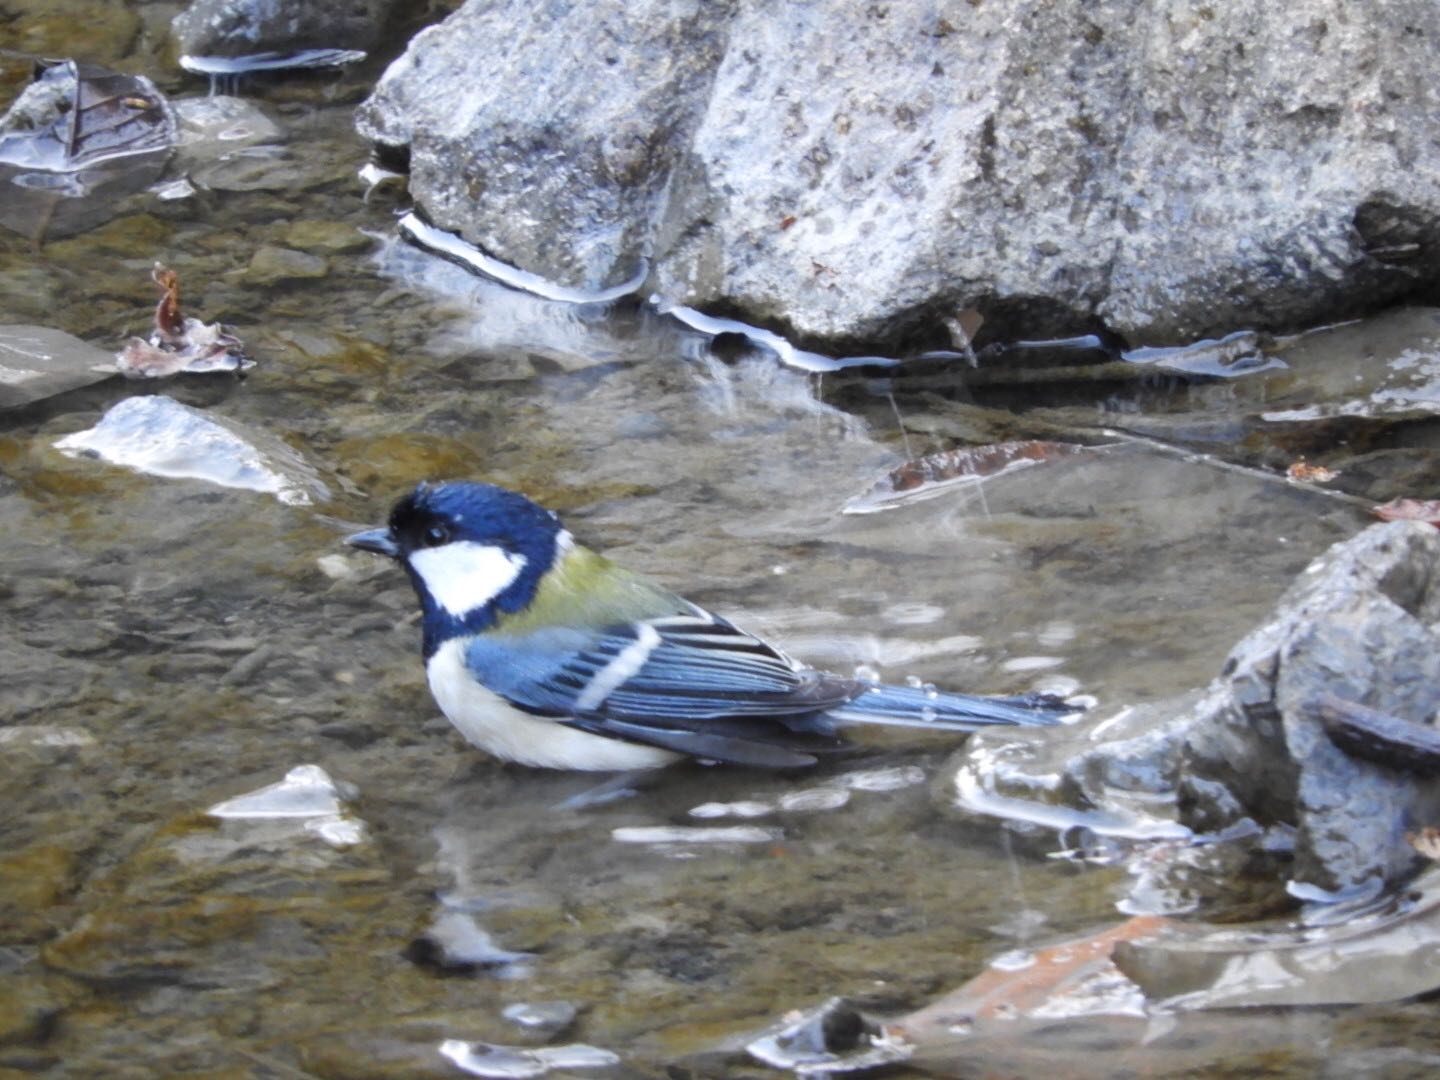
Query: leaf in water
[
  {"x": 1073, "y": 978},
  {"x": 928, "y": 476},
  {"x": 78, "y": 139},
  {"x": 1427, "y": 510},
  {"x": 1307, "y": 473},
  {"x": 178, "y": 344},
  {"x": 963, "y": 327}
]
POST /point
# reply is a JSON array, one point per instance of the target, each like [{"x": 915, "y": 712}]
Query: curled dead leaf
[
  {"x": 1304, "y": 471},
  {"x": 1427, "y": 510}
]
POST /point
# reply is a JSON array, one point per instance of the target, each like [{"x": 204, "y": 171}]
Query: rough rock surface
[
  {"x": 245, "y": 27},
  {"x": 1362, "y": 624},
  {"x": 853, "y": 172}
]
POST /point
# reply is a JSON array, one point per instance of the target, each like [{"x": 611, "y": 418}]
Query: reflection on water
[{"x": 172, "y": 644}]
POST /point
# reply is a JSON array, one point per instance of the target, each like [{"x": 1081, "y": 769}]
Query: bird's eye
[{"x": 436, "y": 535}]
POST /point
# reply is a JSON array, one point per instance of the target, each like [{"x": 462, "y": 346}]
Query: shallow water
[{"x": 169, "y": 644}]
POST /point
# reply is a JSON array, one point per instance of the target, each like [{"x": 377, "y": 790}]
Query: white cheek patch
[{"x": 463, "y": 576}]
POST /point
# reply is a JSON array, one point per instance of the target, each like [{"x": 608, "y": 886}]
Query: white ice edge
[
  {"x": 447, "y": 243},
  {"x": 306, "y": 792},
  {"x": 972, "y": 795},
  {"x": 694, "y": 834},
  {"x": 270, "y": 61},
  {"x": 784, "y": 351}
]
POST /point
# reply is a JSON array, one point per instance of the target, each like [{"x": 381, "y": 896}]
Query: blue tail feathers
[{"x": 913, "y": 706}]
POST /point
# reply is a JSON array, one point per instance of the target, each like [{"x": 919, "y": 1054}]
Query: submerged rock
[{"x": 934, "y": 160}]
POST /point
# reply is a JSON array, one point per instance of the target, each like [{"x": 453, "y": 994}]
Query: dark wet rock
[
  {"x": 1352, "y": 646},
  {"x": 1375, "y": 736},
  {"x": 936, "y": 161},
  {"x": 38, "y": 362},
  {"x": 241, "y": 28}
]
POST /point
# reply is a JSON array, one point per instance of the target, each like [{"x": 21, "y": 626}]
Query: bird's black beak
[{"x": 377, "y": 540}]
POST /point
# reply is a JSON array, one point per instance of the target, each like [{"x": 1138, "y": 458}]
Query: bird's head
[{"x": 472, "y": 551}]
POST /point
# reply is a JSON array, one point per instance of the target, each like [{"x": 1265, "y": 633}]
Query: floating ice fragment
[
  {"x": 750, "y": 808},
  {"x": 306, "y": 792},
  {"x": 934, "y": 474},
  {"x": 819, "y": 798},
  {"x": 39, "y": 362},
  {"x": 375, "y": 177},
  {"x": 548, "y": 1017},
  {"x": 1014, "y": 960},
  {"x": 337, "y": 830},
  {"x": 891, "y": 779},
  {"x": 913, "y": 614},
  {"x": 161, "y": 437},
  {"x": 18, "y": 735},
  {"x": 1032, "y": 663},
  {"x": 172, "y": 190},
  {"x": 688, "y": 834},
  {"x": 458, "y": 942},
  {"x": 517, "y": 1063},
  {"x": 974, "y": 792}
]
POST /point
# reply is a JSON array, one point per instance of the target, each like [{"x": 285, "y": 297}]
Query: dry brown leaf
[
  {"x": 1427, "y": 510},
  {"x": 1311, "y": 474}
]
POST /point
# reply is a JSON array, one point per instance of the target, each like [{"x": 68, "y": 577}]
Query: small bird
[{"x": 545, "y": 653}]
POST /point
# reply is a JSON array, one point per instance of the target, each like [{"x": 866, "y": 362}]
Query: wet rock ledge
[
  {"x": 853, "y": 172},
  {"x": 1315, "y": 749}
]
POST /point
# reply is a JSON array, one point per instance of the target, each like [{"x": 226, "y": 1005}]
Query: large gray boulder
[{"x": 856, "y": 171}]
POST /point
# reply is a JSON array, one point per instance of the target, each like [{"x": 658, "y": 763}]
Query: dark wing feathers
[{"x": 692, "y": 683}]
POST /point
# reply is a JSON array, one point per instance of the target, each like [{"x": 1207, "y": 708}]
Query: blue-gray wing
[{"x": 689, "y": 682}]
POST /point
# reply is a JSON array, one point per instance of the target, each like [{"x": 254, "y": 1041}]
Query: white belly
[{"x": 497, "y": 727}]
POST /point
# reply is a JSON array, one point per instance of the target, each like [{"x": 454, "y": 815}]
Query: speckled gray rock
[
  {"x": 248, "y": 27},
  {"x": 1361, "y": 625},
  {"x": 853, "y": 172}
]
